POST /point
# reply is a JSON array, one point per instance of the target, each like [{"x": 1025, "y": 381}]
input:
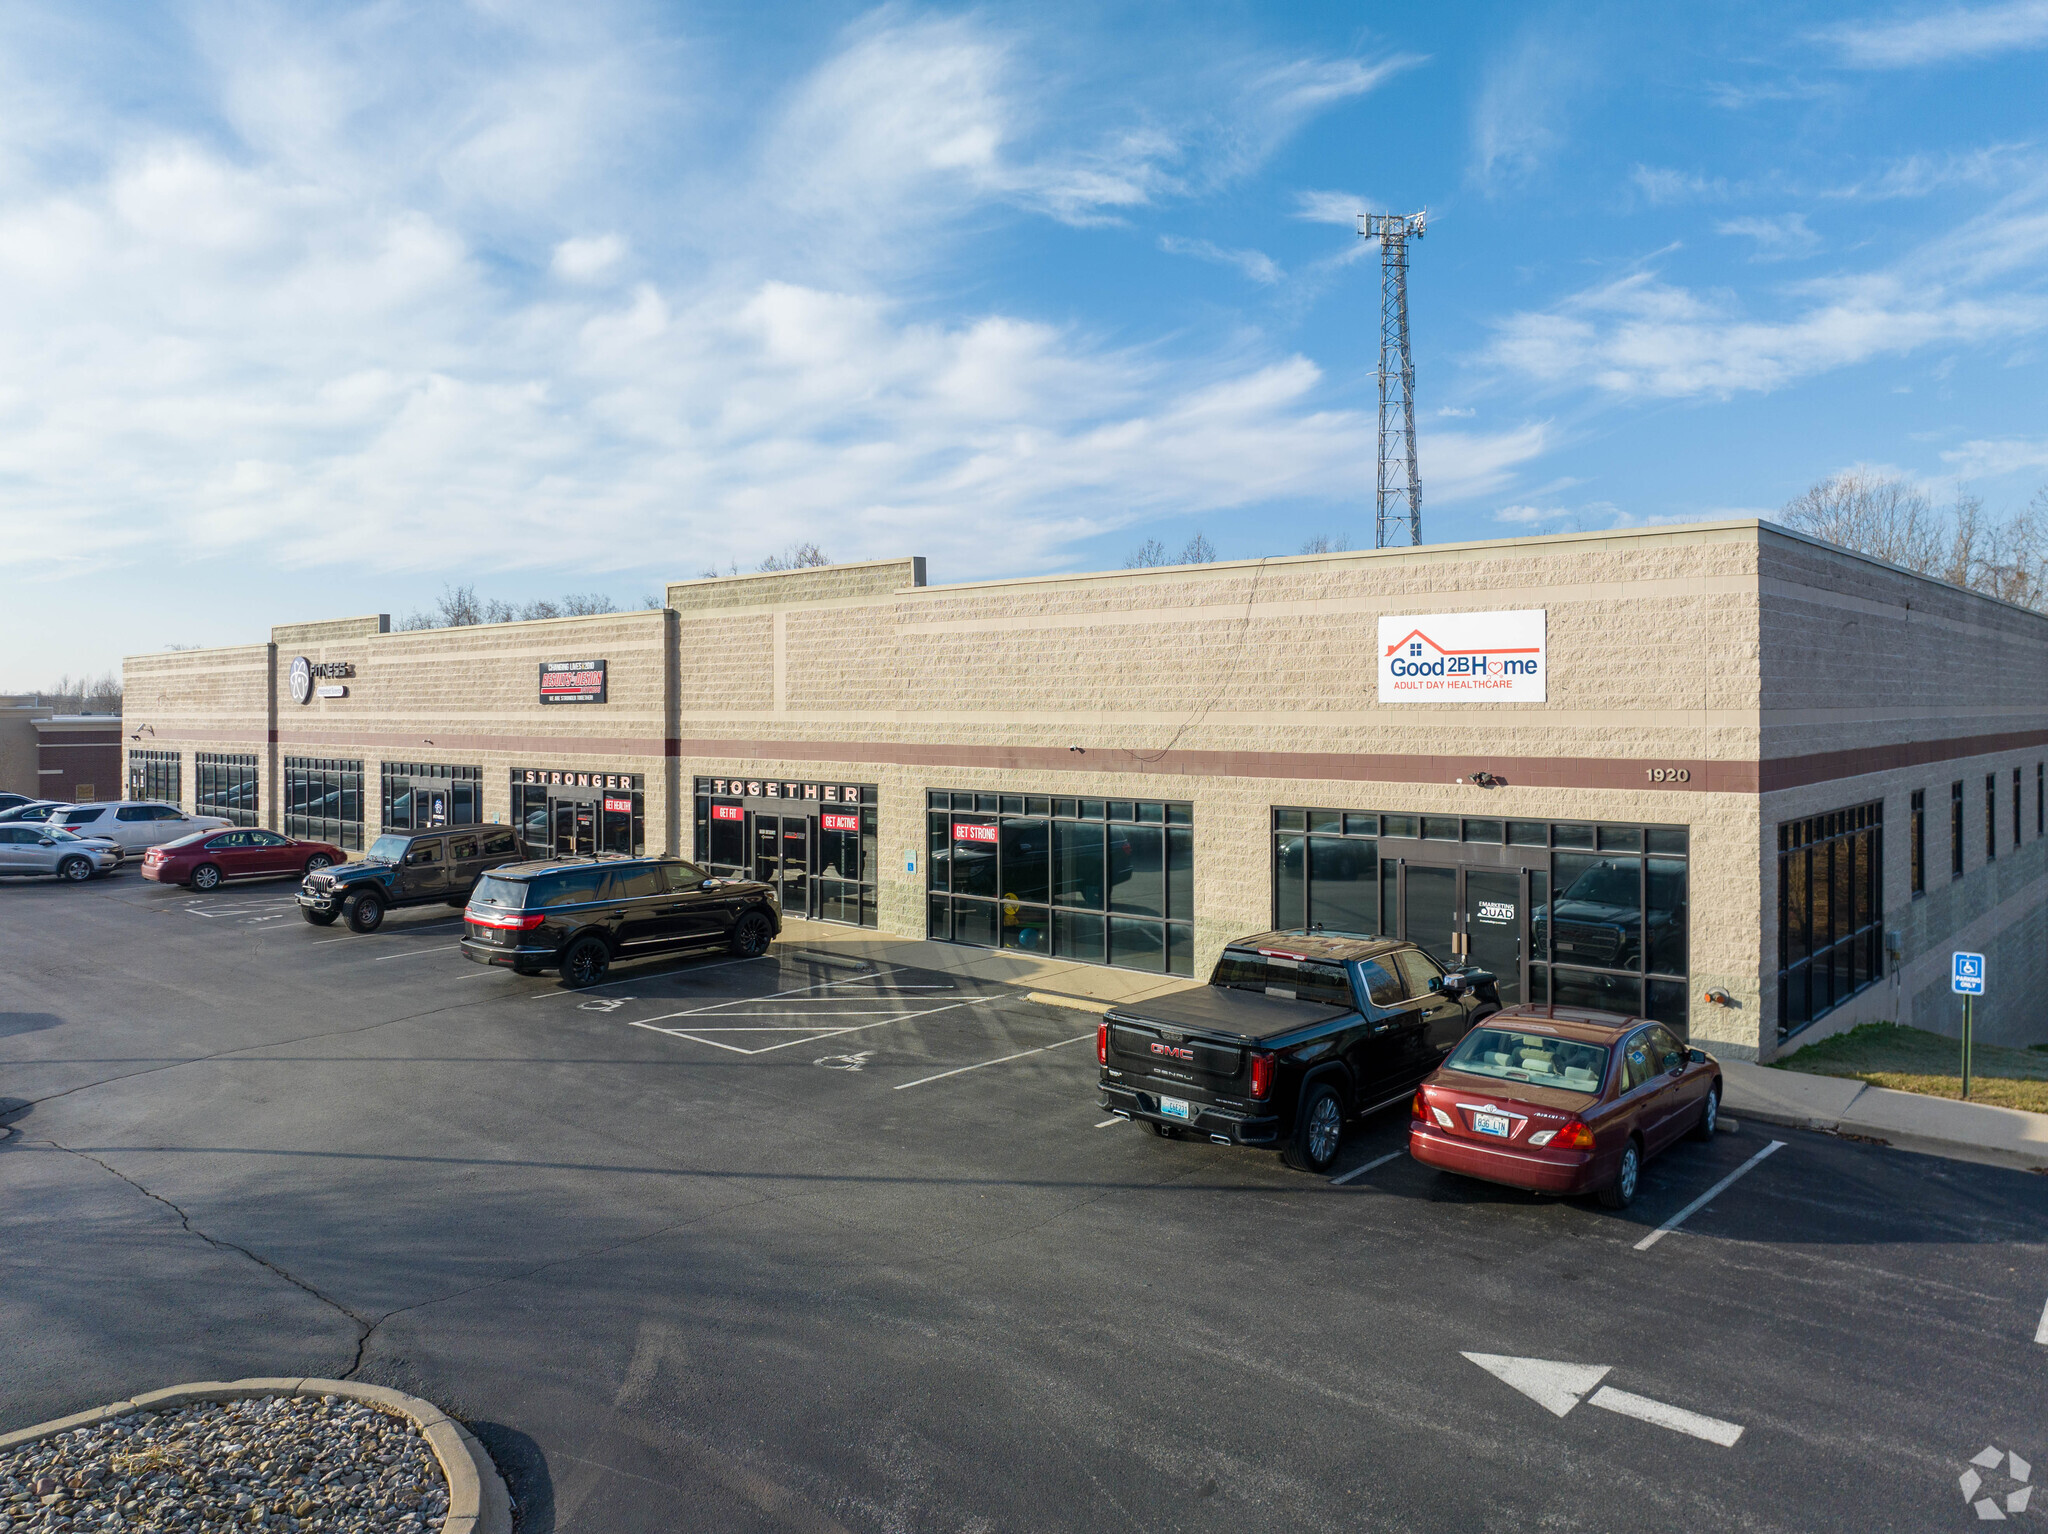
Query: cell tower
[{"x": 1397, "y": 376}]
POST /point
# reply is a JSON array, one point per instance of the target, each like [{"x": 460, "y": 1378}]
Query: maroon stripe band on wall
[{"x": 1729, "y": 777}]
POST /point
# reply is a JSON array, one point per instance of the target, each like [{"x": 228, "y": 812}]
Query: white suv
[{"x": 134, "y": 825}]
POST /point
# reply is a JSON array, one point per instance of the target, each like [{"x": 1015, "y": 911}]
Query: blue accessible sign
[{"x": 1968, "y": 975}]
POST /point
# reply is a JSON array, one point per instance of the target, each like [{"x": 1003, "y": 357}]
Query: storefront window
[
  {"x": 225, "y": 785},
  {"x": 569, "y": 814},
  {"x": 1616, "y": 930},
  {"x": 815, "y": 842},
  {"x": 1098, "y": 881},
  {"x": 418, "y": 796},
  {"x": 154, "y": 775},
  {"x": 324, "y": 800},
  {"x": 1830, "y": 911}
]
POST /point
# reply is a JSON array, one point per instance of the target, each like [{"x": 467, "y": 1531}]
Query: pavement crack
[{"x": 363, "y": 1326}]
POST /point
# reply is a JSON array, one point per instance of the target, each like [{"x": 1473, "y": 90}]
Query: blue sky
[{"x": 307, "y": 310}]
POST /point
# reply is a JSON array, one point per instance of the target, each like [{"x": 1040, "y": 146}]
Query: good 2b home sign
[{"x": 1464, "y": 658}]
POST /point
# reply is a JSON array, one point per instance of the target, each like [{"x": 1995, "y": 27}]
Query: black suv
[
  {"x": 578, "y": 914},
  {"x": 1295, "y": 1033},
  {"x": 410, "y": 868}
]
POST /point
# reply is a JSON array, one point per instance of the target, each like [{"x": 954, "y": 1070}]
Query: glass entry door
[
  {"x": 575, "y": 828},
  {"x": 1495, "y": 918},
  {"x": 1474, "y": 918},
  {"x": 782, "y": 857}
]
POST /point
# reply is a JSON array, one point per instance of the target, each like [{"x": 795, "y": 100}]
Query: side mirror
[
  {"x": 1453, "y": 985},
  {"x": 1696, "y": 1056},
  {"x": 46, "y": 841}
]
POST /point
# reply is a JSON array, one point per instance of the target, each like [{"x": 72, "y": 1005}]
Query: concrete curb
[
  {"x": 478, "y": 1502},
  {"x": 1076, "y": 1003},
  {"x": 1936, "y": 1126}
]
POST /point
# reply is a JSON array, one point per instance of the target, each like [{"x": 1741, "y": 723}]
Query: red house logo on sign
[{"x": 1474, "y": 657}]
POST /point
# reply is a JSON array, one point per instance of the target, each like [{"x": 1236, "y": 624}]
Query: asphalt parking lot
[{"x": 811, "y": 1243}]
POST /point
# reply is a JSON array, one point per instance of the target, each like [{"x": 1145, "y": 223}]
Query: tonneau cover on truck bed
[{"x": 1219, "y": 1009}]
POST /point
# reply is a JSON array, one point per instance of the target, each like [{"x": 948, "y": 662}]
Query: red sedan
[
  {"x": 1563, "y": 1100},
  {"x": 206, "y": 859}
]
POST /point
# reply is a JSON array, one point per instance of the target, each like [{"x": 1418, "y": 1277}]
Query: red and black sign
[
  {"x": 833, "y": 822},
  {"x": 572, "y": 681},
  {"x": 966, "y": 832},
  {"x": 727, "y": 812}
]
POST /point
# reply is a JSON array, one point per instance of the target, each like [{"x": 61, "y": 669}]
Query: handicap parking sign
[{"x": 1968, "y": 974}]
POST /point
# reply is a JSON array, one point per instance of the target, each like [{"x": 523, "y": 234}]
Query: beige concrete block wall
[{"x": 189, "y": 701}]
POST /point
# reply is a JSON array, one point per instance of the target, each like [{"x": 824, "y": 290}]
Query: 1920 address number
[{"x": 1668, "y": 774}]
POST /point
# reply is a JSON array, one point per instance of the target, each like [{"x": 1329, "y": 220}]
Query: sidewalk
[
  {"x": 1937, "y": 1125},
  {"x": 1087, "y": 986}
]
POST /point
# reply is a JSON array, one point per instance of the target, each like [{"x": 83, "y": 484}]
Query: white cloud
[
  {"x": 1255, "y": 264},
  {"x": 1341, "y": 208},
  {"x": 1462, "y": 411},
  {"x": 1994, "y": 457},
  {"x": 1661, "y": 185},
  {"x": 1777, "y": 239},
  {"x": 1520, "y": 116},
  {"x": 1922, "y": 175},
  {"x": 1936, "y": 37},
  {"x": 1637, "y": 335},
  {"x": 1526, "y": 516},
  {"x": 587, "y": 258}
]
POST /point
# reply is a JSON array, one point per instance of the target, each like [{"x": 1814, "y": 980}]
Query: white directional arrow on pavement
[{"x": 1558, "y": 1387}]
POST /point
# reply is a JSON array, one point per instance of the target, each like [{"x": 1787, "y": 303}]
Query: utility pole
[{"x": 1397, "y": 379}]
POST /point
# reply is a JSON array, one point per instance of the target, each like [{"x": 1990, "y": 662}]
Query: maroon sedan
[
  {"x": 1563, "y": 1100},
  {"x": 206, "y": 859}
]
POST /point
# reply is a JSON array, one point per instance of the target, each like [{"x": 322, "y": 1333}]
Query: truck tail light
[
  {"x": 1102, "y": 1043},
  {"x": 1262, "y": 1075},
  {"x": 1574, "y": 1136}
]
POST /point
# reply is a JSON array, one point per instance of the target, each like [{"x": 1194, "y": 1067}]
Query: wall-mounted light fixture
[
  {"x": 140, "y": 728},
  {"x": 1718, "y": 997},
  {"x": 1077, "y": 750},
  {"x": 1484, "y": 780}
]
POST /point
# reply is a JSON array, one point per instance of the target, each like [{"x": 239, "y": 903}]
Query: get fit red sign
[
  {"x": 727, "y": 812},
  {"x": 962, "y": 833}
]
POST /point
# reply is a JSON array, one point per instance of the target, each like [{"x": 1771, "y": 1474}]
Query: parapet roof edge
[{"x": 769, "y": 575}]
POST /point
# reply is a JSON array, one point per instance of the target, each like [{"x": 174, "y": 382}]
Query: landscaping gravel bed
[{"x": 276, "y": 1462}]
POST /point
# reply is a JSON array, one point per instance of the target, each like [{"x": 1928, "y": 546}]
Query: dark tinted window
[
  {"x": 500, "y": 844},
  {"x": 1665, "y": 1051},
  {"x": 423, "y": 852},
  {"x": 78, "y": 817},
  {"x": 1417, "y": 969},
  {"x": 1380, "y": 985},
  {"x": 135, "y": 812},
  {"x": 1298, "y": 979},
  {"x": 632, "y": 883},
  {"x": 574, "y": 886},
  {"x": 462, "y": 847},
  {"x": 682, "y": 876},
  {"x": 14, "y": 834},
  {"x": 265, "y": 839},
  {"x": 510, "y": 893}
]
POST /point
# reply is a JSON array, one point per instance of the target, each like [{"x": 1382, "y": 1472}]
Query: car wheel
[
  {"x": 1318, "y": 1130},
  {"x": 317, "y": 918},
  {"x": 206, "y": 877},
  {"x": 751, "y": 935},
  {"x": 1710, "y": 1115},
  {"x": 1166, "y": 1131},
  {"x": 1620, "y": 1193},
  {"x": 365, "y": 913},
  {"x": 76, "y": 870},
  {"x": 318, "y": 860},
  {"x": 585, "y": 963}
]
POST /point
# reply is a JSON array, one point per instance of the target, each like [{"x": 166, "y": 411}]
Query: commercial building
[
  {"x": 1722, "y": 774},
  {"x": 48, "y": 754}
]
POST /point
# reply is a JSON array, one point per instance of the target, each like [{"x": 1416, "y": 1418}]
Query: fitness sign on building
[{"x": 1464, "y": 658}]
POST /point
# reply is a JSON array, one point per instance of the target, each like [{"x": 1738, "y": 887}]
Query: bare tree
[
  {"x": 1891, "y": 519},
  {"x": 587, "y": 604},
  {"x": 1887, "y": 518},
  {"x": 1323, "y": 543},
  {"x": 1200, "y": 551},
  {"x": 800, "y": 556},
  {"x": 540, "y": 607},
  {"x": 459, "y": 607},
  {"x": 416, "y": 620},
  {"x": 1147, "y": 555},
  {"x": 85, "y": 694},
  {"x": 652, "y": 601}
]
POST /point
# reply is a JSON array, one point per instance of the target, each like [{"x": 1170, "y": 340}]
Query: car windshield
[
  {"x": 508, "y": 893},
  {"x": 58, "y": 833},
  {"x": 1289, "y": 979},
  {"x": 1539, "y": 1059},
  {"x": 1606, "y": 884},
  {"x": 387, "y": 849}
]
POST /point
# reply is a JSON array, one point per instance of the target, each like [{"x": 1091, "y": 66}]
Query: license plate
[
  {"x": 1490, "y": 1124},
  {"x": 1173, "y": 1107}
]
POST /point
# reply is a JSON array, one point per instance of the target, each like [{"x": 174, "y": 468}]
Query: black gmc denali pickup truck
[{"x": 1295, "y": 1033}]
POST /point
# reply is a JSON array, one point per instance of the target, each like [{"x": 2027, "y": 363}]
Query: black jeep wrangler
[{"x": 438, "y": 867}]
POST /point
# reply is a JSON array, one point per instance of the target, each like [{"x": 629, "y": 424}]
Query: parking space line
[
  {"x": 806, "y": 1034},
  {"x": 962, "y": 1070},
  {"x": 2041, "y": 1333},
  {"x": 1707, "y": 1197},
  {"x": 444, "y": 948},
  {"x": 1360, "y": 1171},
  {"x": 643, "y": 979},
  {"x": 1107, "y": 1123}
]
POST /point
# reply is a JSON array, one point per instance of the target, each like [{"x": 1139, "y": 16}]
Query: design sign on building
[
  {"x": 572, "y": 681},
  {"x": 1464, "y": 658}
]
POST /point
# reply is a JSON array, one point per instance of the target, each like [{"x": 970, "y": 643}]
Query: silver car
[{"x": 43, "y": 851}]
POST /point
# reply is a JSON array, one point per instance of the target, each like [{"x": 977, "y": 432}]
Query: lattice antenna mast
[{"x": 1400, "y": 499}]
